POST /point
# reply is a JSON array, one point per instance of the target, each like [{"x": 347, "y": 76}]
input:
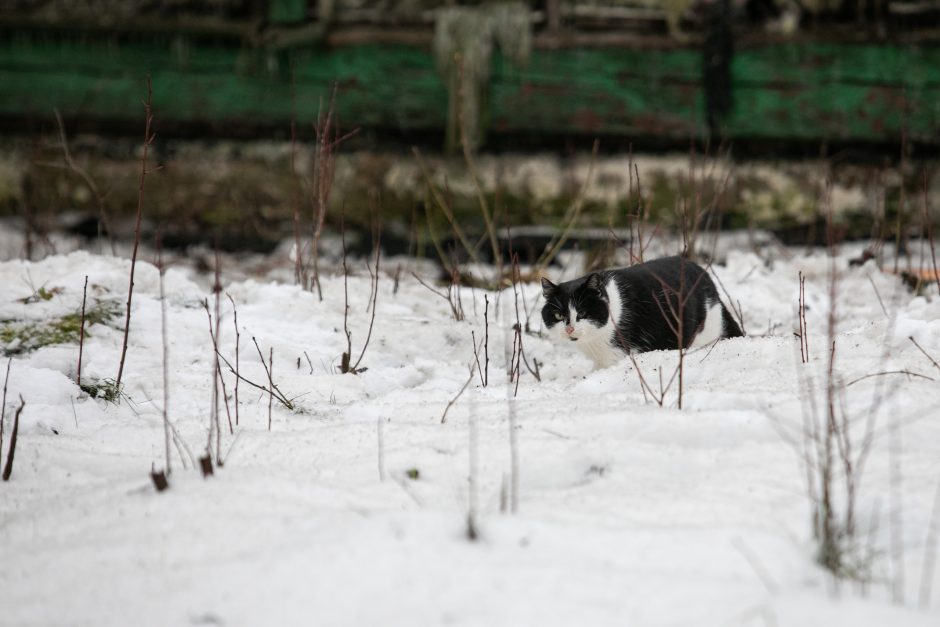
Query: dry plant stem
[
  {"x": 486, "y": 340},
  {"x": 148, "y": 140},
  {"x": 217, "y": 290},
  {"x": 323, "y": 171},
  {"x": 887, "y": 372},
  {"x": 804, "y": 332},
  {"x": 81, "y": 334},
  {"x": 476, "y": 357},
  {"x": 926, "y": 354},
  {"x": 455, "y": 309},
  {"x": 165, "y": 355},
  {"x": 432, "y": 235},
  {"x": 89, "y": 182},
  {"x": 571, "y": 218},
  {"x": 344, "y": 363},
  {"x": 456, "y": 396},
  {"x": 270, "y": 383},
  {"x": 278, "y": 396},
  {"x": 237, "y": 346},
  {"x": 217, "y": 370},
  {"x": 8, "y": 467},
  {"x": 878, "y": 295},
  {"x": 374, "y": 294},
  {"x": 445, "y": 208},
  {"x": 3, "y": 406},
  {"x": 675, "y": 319},
  {"x": 300, "y": 270},
  {"x": 274, "y": 390},
  {"x": 928, "y": 226}
]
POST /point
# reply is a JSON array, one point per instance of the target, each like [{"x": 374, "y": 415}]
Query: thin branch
[
  {"x": 571, "y": 218},
  {"x": 148, "y": 140},
  {"x": 454, "y": 400},
  {"x": 81, "y": 334},
  {"x": 878, "y": 295},
  {"x": 89, "y": 182},
  {"x": 881, "y": 374},
  {"x": 164, "y": 354},
  {"x": 237, "y": 346},
  {"x": 374, "y": 293},
  {"x": 8, "y": 468},
  {"x": 268, "y": 372},
  {"x": 926, "y": 354},
  {"x": 3, "y": 406},
  {"x": 270, "y": 383},
  {"x": 283, "y": 400}
]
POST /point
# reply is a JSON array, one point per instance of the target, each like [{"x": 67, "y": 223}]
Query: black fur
[{"x": 652, "y": 296}]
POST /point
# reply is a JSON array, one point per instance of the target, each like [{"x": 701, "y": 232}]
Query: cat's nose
[{"x": 569, "y": 329}]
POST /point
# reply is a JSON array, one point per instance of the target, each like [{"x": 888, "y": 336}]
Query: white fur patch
[
  {"x": 596, "y": 342},
  {"x": 714, "y": 326}
]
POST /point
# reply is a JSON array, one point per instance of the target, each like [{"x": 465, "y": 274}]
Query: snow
[{"x": 628, "y": 512}]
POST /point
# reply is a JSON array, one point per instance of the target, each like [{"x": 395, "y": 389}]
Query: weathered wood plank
[{"x": 804, "y": 91}]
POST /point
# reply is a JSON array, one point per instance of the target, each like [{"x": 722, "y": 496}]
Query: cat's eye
[{"x": 558, "y": 316}]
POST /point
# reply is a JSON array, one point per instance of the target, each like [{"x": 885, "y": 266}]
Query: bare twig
[
  {"x": 446, "y": 210},
  {"x": 148, "y": 140},
  {"x": 878, "y": 295},
  {"x": 278, "y": 396},
  {"x": 326, "y": 130},
  {"x": 81, "y": 334},
  {"x": 89, "y": 182},
  {"x": 926, "y": 354},
  {"x": 166, "y": 376},
  {"x": 928, "y": 226},
  {"x": 273, "y": 389},
  {"x": 270, "y": 383},
  {"x": 571, "y": 218},
  {"x": 213, "y": 333},
  {"x": 486, "y": 340},
  {"x": 237, "y": 346},
  {"x": 804, "y": 331},
  {"x": 881, "y": 374},
  {"x": 373, "y": 295},
  {"x": 454, "y": 400},
  {"x": 8, "y": 467},
  {"x": 300, "y": 268},
  {"x": 456, "y": 309},
  {"x": 3, "y": 407}
]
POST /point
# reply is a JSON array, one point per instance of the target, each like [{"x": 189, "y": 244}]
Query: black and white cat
[{"x": 610, "y": 312}]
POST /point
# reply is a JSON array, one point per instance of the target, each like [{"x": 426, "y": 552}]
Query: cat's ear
[
  {"x": 594, "y": 283},
  {"x": 548, "y": 288}
]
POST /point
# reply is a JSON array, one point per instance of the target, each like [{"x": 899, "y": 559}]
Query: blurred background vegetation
[{"x": 751, "y": 109}]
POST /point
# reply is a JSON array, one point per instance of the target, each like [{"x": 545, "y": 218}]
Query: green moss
[
  {"x": 104, "y": 389},
  {"x": 41, "y": 294},
  {"x": 18, "y": 336}
]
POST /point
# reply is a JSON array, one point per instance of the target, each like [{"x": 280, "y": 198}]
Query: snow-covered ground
[{"x": 352, "y": 509}]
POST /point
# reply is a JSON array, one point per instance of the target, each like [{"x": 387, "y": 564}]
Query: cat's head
[{"x": 575, "y": 310}]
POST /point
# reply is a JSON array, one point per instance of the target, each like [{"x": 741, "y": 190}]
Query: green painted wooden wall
[{"x": 795, "y": 90}]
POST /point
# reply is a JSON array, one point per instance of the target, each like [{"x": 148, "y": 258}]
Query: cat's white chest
[{"x": 599, "y": 344}]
